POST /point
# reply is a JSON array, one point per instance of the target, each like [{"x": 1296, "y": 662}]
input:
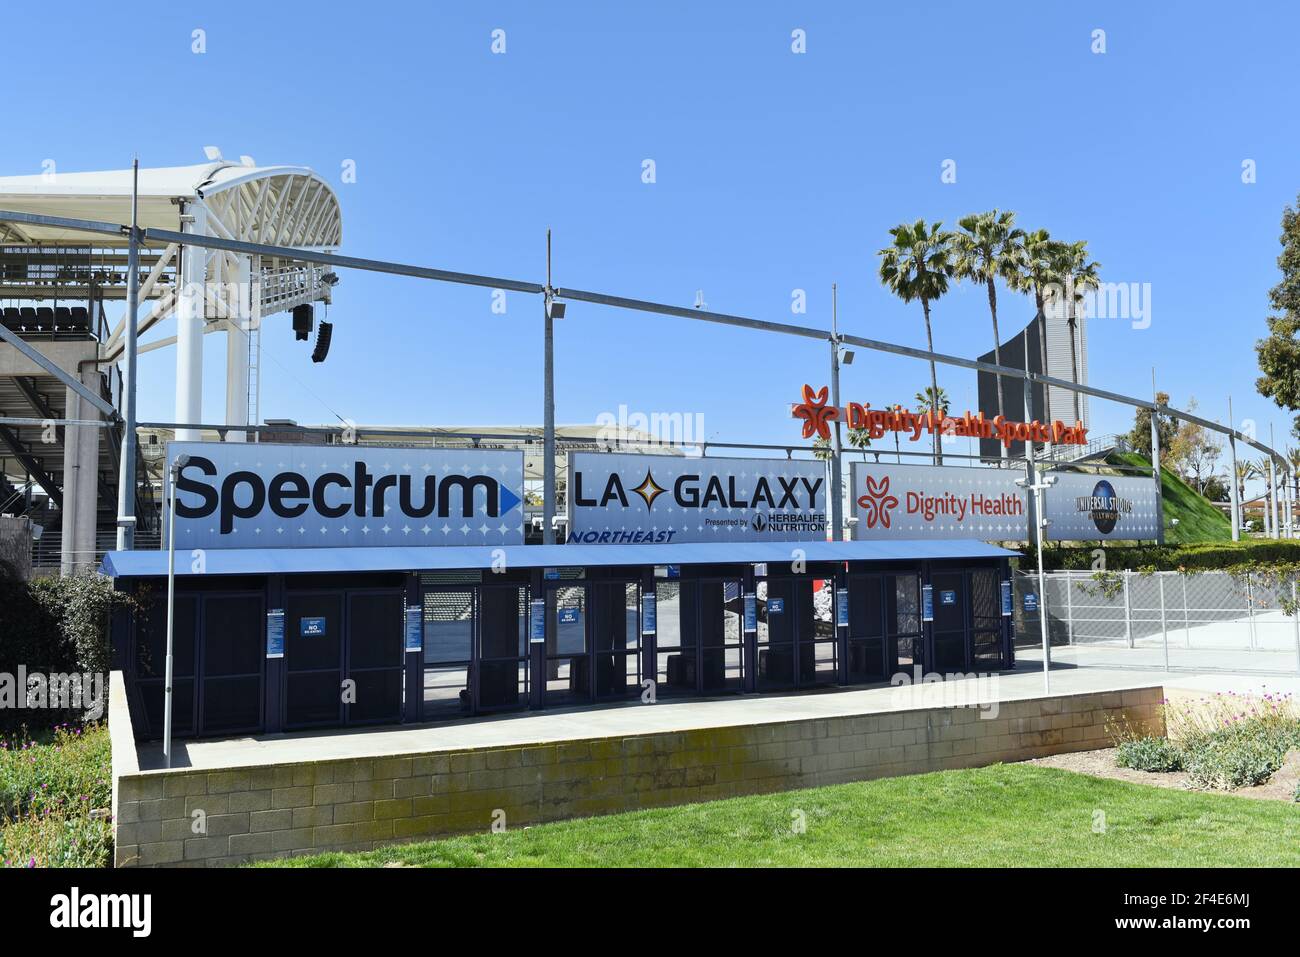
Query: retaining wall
[{"x": 355, "y": 804}]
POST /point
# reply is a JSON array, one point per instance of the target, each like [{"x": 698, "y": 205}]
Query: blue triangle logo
[{"x": 506, "y": 499}]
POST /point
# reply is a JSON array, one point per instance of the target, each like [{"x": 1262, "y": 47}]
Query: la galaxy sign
[
  {"x": 617, "y": 498},
  {"x": 241, "y": 495}
]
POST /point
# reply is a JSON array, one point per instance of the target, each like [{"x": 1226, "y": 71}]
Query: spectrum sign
[
  {"x": 245, "y": 495},
  {"x": 817, "y": 417},
  {"x": 621, "y": 498}
]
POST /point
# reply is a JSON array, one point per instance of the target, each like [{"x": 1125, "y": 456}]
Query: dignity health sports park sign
[
  {"x": 237, "y": 495},
  {"x": 934, "y": 502},
  {"x": 817, "y": 417},
  {"x": 621, "y": 498}
]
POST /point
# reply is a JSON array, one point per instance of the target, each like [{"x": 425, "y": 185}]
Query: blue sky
[{"x": 775, "y": 172}]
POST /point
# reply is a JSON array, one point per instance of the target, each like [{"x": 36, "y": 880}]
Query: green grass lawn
[
  {"x": 1198, "y": 519},
  {"x": 1005, "y": 815}
]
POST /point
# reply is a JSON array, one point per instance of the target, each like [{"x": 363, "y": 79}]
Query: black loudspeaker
[
  {"x": 323, "y": 335},
  {"x": 304, "y": 317}
]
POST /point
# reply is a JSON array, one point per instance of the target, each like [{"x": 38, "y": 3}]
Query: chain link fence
[{"x": 1185, "y": 621}]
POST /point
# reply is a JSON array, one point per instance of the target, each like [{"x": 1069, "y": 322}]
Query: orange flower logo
[
  {"x": 877, "y": 502},
  {"x": 817, "y": 415}
]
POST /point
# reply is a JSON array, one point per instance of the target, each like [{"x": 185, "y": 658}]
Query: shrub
[
  {"x": 1149, "y": 754},
  {"x": 55, "y": 626},
  {"x": 69, "y": 773},
  {"x": 56, "y": 839},
  {"x": 1233, "y": 761},
  {"x": 1232, "y": 740}
]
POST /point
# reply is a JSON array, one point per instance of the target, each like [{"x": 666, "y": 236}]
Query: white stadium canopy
[
  {"x": 275, "y": 205},
  {"x": 206, "y": 290}
]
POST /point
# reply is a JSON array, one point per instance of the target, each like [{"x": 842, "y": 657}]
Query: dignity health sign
[
  {"x": 934, "y": 502},
  {"x": 238, "y": 495},
  {"x": 622, "y": 498}
]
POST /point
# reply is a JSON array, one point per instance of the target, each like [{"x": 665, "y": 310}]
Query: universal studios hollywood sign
[
  {"x": 937, "y": 502},
  {"x": 246, "y": 495}
]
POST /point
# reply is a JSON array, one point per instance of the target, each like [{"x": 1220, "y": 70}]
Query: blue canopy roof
[{"x": 264, "y": 561}]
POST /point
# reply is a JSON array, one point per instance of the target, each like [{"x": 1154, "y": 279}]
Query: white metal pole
[
  {"x": 548, "y": 408},
  {"x": 238, "y": 358},
  {"x": 1272, "y": 486},
  {"x": 837, "y": 468},
  {"x": 190, "y": 312},
  {"x": 126, "y": 516},
  {"x": 1164, "y": 626},
  {"x": 1295, "y": 624},
  {"x": 1042, "y": 593},
  {"x": 171, "y": 620},
  {"x": 1155, "y": 462},
  {"x": 1232, "y": 477}
]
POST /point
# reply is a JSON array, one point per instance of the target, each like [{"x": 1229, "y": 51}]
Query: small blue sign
[
  {"x": 751, "y": 612},
  {"x": 927, "y": 603},
  {"x": 537, "y": 621},
  {"x": 1006, "y": 599},
  {"x": 947, "y": 597},
  {"x": 842, "y": 607},
  {"x": 311, "y": 627},
  {"x": 551, "y": 574},
  {"x": 414, "y": 628},
  {"x": 275, "y": 633},
  {"x": 569, "y": 615},
  {"x": 673, "y": 571},
  {"x": 776, "y": 606},
  {"x": 1031, "y": 601},
  {"x": 648, "y": 613}
]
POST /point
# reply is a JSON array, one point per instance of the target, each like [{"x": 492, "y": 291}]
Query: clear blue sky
[{"x": 775, "y": 171}]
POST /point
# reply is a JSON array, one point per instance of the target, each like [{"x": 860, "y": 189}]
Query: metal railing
[{"x": 1186, "y": 621}]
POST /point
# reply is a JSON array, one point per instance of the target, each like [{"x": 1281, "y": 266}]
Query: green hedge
[
  {"x": 54, "y": 626},
  {"x": 1202, "y": 557}
]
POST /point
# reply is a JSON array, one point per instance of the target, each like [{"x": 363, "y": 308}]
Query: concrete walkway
[{"x": 633, "y": 718}]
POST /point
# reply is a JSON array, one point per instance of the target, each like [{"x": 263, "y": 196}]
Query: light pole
[
  {"x": 126, "y": 517},
  {"x": 180, "y": 462},
  {"x": 837, "y": 445},
  {"x": 1038, "y": 488},
  {"x": 551, "y": 310}
]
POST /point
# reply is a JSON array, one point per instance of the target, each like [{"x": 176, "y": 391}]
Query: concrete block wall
[{"x": 253, "y": 813}]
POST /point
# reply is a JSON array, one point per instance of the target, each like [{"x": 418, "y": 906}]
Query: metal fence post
[
  {"x": 1187, "y": 628},
  {"x": 1128, "y": 610},
  {"x": 1164, "y": 627},
  {"x": 1069, "y": 610},
  {"x": 1295, "y": 624},
  {"x": 1250, "y": 611}
]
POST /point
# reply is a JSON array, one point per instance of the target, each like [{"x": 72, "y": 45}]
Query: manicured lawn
[
  {"x": 1198, "y": 519},
  {"x": 1005, "y": 815}
]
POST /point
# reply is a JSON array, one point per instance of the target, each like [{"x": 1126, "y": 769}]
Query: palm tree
[
  {"x": 1035, "y": 272},
  {"x": 989, "y": 245},
  {"x": 918, "y": 265},
  {"x": 1077, "y": 276},
  {"x": 1246, "y": 471},
  {"x": 926, "y": 401}
]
